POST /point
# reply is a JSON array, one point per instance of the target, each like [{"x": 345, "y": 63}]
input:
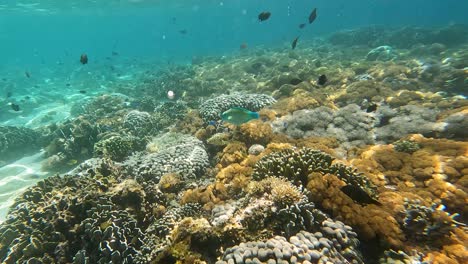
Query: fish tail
[{"x": 254, "y": 115}]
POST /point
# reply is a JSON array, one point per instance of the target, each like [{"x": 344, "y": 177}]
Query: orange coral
[
  {"x": 209, "y": 196},
  {"x": 234, "y": 152},
  {"x": 255, "y": 132},
  {"x": 370, "y": 220}
]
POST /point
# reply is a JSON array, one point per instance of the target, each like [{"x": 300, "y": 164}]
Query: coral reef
[
  {"x": 186, "y": 156},
  {"x": 16, "y": 142},
  {"x": 304, "y": 247},
  {"x": 118, "y": 148},
  {"x": 406, "y": 146}
]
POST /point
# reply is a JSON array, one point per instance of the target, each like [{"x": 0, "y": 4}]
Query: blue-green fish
[{"x": 238, "y": 116}]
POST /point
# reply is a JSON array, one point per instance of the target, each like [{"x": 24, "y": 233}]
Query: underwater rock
[
  {"x": 211, "y": 109},
  {"x": 381, "y": 53}
]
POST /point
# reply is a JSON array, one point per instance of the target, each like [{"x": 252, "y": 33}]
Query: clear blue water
[{"x": 52, "y": 31}]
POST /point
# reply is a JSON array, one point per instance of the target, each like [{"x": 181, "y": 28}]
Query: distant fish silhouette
[
  {"x": 322, "y": 80},
  {"x": 84, "y": 58},
  {"x": 15, "y": 107},
  {"x": 27, "y": 74},
  {"x": 264, "y": 16},
  {"x": 243, "y": 46},
  {"x": 371, "y": 108},
  {"x": 313, "y": 16},
  {"x": 302, "y": 25},
  {"x": 183, "y": 31},
  {"x": 294, "y": 43},
  {"x": 82, "y": 91},
  {"x": 115, "y": 53},
  {"x": 9, "y": 94}
]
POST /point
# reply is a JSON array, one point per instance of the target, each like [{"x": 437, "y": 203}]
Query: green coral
[
  {"x": 118, "y": 147},
  {"x": 296, "y": 165},
  {"x": 406, "y": 146}
]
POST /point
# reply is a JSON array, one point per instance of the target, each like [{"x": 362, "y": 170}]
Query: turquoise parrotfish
[{"x": 238, "y": 116}]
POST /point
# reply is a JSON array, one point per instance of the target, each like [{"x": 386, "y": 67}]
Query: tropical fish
[
  {"x": 313, "y": 16},
  {"x": 294, "y": 43},
  {"x": 371, "y": 108},
  {"x": 359, "y": 195},
  {"x": 82, "y": 91},
  {"x": 264, "y": 16},
  {"x": 322, "y": 79},
  {"x": 27, "y": 74},
  {"x": 15, "y": 107},
  {"x": 238, "y": 116},
  {"x": 84, "y": 58},
  {"x": 302, "y": 25}
]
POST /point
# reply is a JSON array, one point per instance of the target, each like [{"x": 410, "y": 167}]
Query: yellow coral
[{"x": 370, "y": 220}]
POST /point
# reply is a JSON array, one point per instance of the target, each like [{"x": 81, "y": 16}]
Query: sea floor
[{"x": 359, "y": 155}]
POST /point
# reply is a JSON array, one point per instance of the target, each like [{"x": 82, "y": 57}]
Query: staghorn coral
[{"x": 212, "y": 109}]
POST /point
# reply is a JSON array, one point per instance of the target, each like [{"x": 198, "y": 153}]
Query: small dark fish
[
  {"x": 212, "y": 123},
  {"x": 302, "y": 25},
  {"x": 9, "y": 94},
  {"x": 27, "y": 74},
  {"x": 322, "y": 79},
  {"x": 15, "y": 107},
  {"x": 243, "y": 46},
  {"x": 313, "y": 16},
  {"x": 294, "y": 43},
  {"x": 27, "y": 97},
  {"x": 84, "y": 58},
  {"x": 183, "y": 31},
  {"x": 82, "y": 91},
  {"x": 4, "y": 79},
  {"x": 295, "y": 81},
  {"x": 264, "y": 16},
  {"x": 358, "y": 195},
  {"x": 67, "y": 84},
  {"x": 115, "y": 53},
  {"x": 371, "y": 108}
]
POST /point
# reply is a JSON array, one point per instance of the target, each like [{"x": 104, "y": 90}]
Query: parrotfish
[{"x": 238, "y": 116}]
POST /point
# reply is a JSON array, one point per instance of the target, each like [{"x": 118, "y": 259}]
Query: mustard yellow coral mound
[
  {"x": 208, "y": 196},
  {"x": 370, "y": 221},
  {"x": 255, "y": 132},
  {"x": 438, "y": 172},
  {"x": 234, "y": 152},
  {"x": 235, "y": 177}
]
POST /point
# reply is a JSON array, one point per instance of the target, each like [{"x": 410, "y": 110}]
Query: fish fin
[{"x": 254, "y": 115}]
